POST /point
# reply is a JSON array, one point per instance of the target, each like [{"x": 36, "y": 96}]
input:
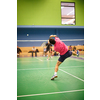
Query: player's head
[{"x": 52, "y": 41}]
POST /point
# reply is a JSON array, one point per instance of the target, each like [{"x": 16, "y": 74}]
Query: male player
[
  {"x": 60, "y": 47},
  {"x": 49, "y": 50}
]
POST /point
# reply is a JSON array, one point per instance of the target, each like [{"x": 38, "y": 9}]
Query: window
[{"x": 68, "y": 13}]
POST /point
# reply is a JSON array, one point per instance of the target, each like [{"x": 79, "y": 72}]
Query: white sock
[{"x": 55, "y": 73}]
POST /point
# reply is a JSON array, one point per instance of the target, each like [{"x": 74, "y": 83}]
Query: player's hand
[{"x": 51, "y": 35}]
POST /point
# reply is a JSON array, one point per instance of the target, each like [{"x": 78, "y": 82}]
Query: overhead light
[{"x": 27, "y": 34}]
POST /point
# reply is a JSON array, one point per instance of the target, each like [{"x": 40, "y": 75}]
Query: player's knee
[{"x": 58, "y": 63}]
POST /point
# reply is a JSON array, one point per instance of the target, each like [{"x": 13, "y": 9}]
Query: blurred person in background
[
  {"x": 34, "y": 51},
  {"x": 44, "y": 51},
  {"x": 49, "y": 49},
  {"x": 70, "y": 48},
  {"x": 18, "y": 51}
]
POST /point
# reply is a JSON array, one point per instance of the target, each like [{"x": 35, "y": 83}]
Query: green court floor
[{"x": 34, "y": 74}]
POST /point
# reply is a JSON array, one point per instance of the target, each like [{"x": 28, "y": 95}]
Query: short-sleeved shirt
[
  {"x": 70, "y": 47},
  {"x": 44, "y": 49},
  {"x": 60, "y": 47},
  {"x": 33, "y": 48}
]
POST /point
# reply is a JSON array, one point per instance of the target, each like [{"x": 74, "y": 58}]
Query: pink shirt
[{"x": 60, "y": 47}]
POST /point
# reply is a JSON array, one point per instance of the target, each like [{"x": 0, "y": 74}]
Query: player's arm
[{"x": 53, "y": 36}]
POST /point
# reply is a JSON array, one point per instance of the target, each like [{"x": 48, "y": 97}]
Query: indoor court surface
[{"x": 34, "y": 79}]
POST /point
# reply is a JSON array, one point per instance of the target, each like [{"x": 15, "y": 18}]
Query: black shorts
[{"x": 66, "y": 55}]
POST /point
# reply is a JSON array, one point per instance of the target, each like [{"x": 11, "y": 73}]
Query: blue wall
[{"x": 44, "y": 33}]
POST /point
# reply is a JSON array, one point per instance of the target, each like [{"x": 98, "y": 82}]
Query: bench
[{"x": 25, "y": 51}]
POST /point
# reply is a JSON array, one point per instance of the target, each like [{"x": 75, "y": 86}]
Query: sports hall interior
[{"x": 36, "y": 21}]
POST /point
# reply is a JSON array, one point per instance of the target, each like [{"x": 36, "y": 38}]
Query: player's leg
[
  {"x": 45, "y": 54},
  {"x": 56, "y": 69},
  {"x": 60, "y": 60},
  {"x": 57, "y": 65},
  {"x": 51, "y": 52},
  {"x": 35, "y": 53},
  {"x": 74, "y": 52},
  {"x": 48, "y": 55}
]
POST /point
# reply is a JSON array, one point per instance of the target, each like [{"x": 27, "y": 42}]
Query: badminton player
[
  {"x": 49, "y": 49},
  {"x": 60, "y": 47}
]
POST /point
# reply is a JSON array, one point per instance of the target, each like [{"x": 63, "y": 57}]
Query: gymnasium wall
[
  {"x": 46, "y": 12},
  {"x": 36, "y": 36}
]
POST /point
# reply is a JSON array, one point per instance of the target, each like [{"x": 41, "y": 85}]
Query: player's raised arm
[{"x": 53, "y": 36}]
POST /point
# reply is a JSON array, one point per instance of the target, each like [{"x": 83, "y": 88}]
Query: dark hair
[{"x": 52, "y": 41}]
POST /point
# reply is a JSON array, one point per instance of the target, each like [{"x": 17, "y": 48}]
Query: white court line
[
  {"x": 50, "y": 60},
  {"x": 49, "y": 68},
  {"x": 27, "y": 61},
  {"x": 34, "y": 68},
  {"x": 39, "y": 59},
  {"x": 46, "y": 60},
  {"x": 30, "y": 61},
  {"x": 50, "y": 93},
  {"x": 72, "y": 75}
]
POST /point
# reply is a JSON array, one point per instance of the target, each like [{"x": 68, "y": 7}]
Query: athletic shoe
[
  {"x": 77, "y": 53},
  {"x": 54, "y": 76}
]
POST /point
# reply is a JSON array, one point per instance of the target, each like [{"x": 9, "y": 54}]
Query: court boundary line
[
  {"x": 36, "y": 61},
  {"x": 39, "y": 59},
  {"x": 49, "y": 60},
  {"x": 26, "y": 61},
  {"x": 72, "y": 75},
  {"x": 50, "y": 93},
  {"x": 52, "y": 60},
  {"x": 52, "y": 68}
]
